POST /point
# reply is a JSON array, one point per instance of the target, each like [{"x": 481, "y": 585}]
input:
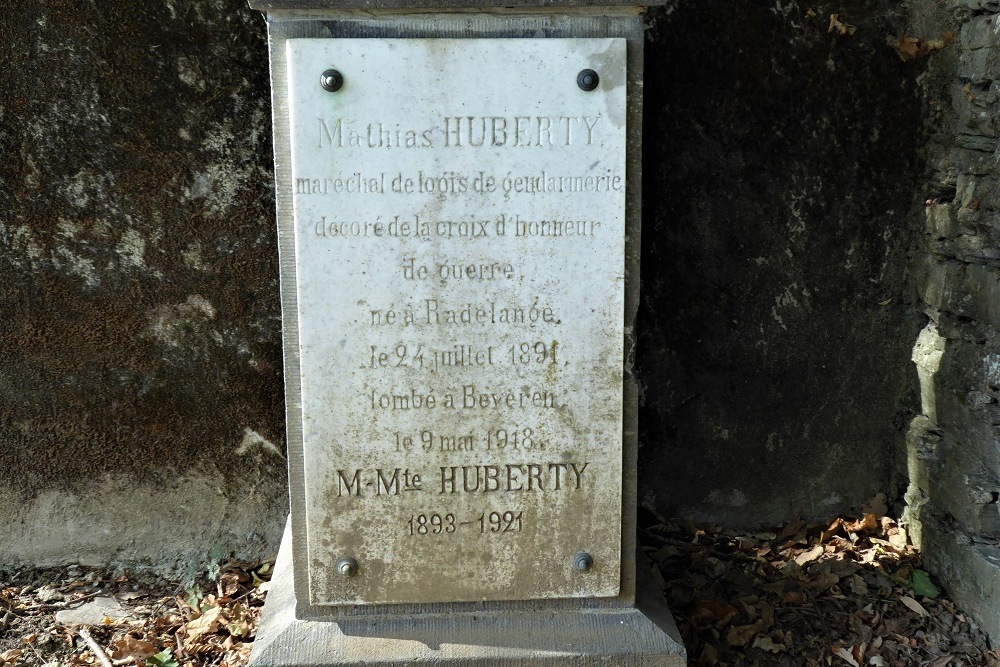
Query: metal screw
[
  {"x": 347, "y": 567},
  {"x": 587, "y": 80},
  {"x": 331, "y": 80},
  {"x": 583, "y": 561}
]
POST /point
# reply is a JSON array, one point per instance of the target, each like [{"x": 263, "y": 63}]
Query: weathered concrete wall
[
  {"x": 954, "y": 446},
  {"x": 141, "y": 410},
  {"x": 784, "y": 168}
]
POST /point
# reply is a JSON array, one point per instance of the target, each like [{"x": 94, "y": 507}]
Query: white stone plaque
[{"x": 459, "y": 211}]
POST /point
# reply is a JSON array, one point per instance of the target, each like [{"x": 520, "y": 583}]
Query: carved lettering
[
  {"x": 514, "y": 131},
  {"x": 352, "y": 485},
  {"x": 543, "y": 477}
]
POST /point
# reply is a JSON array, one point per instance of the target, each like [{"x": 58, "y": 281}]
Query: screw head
[
  {"x": 331, "y": 80},
  {"x": 587, "y": 80},
  {"x": 347, "y": 567},
  {"x": 583, "y": 561}
]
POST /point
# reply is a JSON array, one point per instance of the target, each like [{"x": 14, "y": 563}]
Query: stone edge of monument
[
  {"x": 622, "y": 24},
  {"x": 641, "y": 635},
  {"x": 423, "y": 5}
]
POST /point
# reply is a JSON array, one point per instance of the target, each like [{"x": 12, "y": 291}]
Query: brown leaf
[
  {"x": 913, "y": 605},
  {"x": 898, "y": 540},
  {"x": 740, "y": 635},
  {"x": 809, "y": 556},
  {"x": 207, "y": 623},
  {"x": 239, "y": 620},
  {"x": 765, "y": 643},
  {"x": 864, "y": 524},
  {"x": 911, "y": 48},
  {"x": 839, "y": 27},
  {"x": 791, "y": 529},
  {"x": 824, "y": 581},
  {"x": 793, "y": 599},
  {"x": 947, "y": 37},
  {"x": 229, "y": 583},
  {"x": 831, "y": 531},
  {"x": 130, "y": 648},
  {"x": 712, "y": 610},
  {"x": 907, "y": 48}
]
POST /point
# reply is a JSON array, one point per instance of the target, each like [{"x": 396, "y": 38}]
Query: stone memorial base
[{"x": 642, "y": 635}]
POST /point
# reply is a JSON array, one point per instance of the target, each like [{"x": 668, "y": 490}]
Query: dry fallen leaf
[
  {"x": 713, "y": 610},
  {"x": 914, "y": 605},
  {"x": 765, "y": 643},
  {"x": 205, "y": 624},
  {"x": 910, "y": 48},
  {"x": 845, "y": 599},
  {"x": 810, "y": 556},
  {"x": 740, "y": 635},
  {"x": 793, "y": 598},
  {"x": 791, "y": 529},
  {"x": 839, "y": 27},
  {"x": 229, "y": 583},
  {"x": 831, "y": 530},
  {"x": 845, "y": 655},
  {"x": 822, "y": 580},
  {"x": 10, "y": 656},
  {"x": 130, "y": 648},
  {"x": 877, "y": 503},
  {"x": 865, "y": 523}
]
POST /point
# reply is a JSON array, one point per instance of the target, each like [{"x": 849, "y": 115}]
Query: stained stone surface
[
  {"x": 141, "y": 411},
  {"x": 459, "y": 213},
  {"x": 141, "y": 346},
  {"x": 783, "y": 196}
]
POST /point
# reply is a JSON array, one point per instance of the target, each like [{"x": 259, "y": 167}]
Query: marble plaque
[{"x": 459, "y": 214}]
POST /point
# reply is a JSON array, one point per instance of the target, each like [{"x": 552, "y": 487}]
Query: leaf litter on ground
[
  {"x": 850, "y": 591},
  {"x": 211, "y": 624}
]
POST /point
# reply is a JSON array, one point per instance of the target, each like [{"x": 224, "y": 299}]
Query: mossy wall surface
[{"x": 140, "y": 332}]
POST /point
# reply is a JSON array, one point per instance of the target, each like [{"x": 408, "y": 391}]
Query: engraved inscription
[
  {"x": 468, "y": 131},
  {"x": 459, "y": 256}
]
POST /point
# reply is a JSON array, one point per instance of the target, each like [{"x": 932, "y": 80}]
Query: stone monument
[{"x": 458, "y": 196}]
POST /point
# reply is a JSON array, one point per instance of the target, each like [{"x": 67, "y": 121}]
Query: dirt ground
[
  {"x": 847, "y": 592},
  {"x": 89, "y": 616}
]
